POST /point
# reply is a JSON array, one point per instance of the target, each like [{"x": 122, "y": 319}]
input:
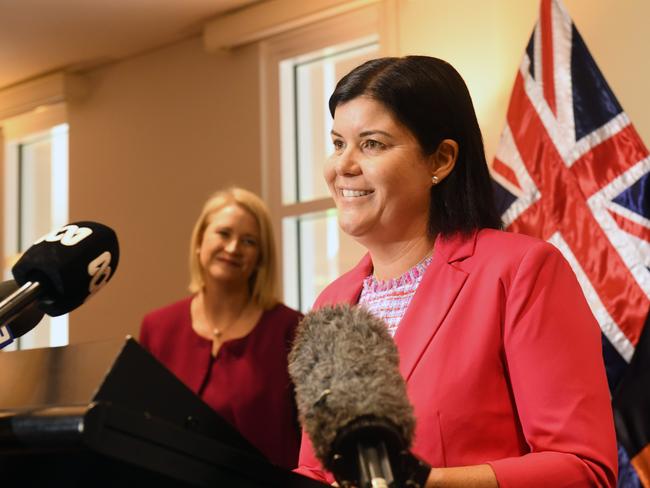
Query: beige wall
[
  {"x": 485, "y": 41},
  {"x": 157, "y": 134}
]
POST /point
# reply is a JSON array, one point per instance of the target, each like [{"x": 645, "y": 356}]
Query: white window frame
[
  {"x": 17, "y": 130},
  {"x": 378, "y": 20}
]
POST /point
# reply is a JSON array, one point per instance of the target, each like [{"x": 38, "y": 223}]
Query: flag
[
  {"x": 632, "y": 408},
  {"x": 571, "y": 169}
]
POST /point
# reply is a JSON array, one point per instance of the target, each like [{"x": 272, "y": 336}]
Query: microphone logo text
[
  {"x": 100, "y": 271},
  {"x": 68, "y": 235}
]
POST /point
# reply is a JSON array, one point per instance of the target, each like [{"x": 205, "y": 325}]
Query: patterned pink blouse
[{"x": 388, "y": 300}]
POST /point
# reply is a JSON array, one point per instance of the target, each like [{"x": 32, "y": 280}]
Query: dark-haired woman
[{"x": 500, "y": 351}]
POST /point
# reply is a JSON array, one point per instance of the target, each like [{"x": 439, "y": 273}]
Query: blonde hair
[{"x": 263, "y": 282}]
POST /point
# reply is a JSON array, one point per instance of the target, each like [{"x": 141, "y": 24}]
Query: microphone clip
[{"x": 369, "y": 452}]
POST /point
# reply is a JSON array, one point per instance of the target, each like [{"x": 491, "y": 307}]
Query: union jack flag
[{"x": 571, "y": 169}]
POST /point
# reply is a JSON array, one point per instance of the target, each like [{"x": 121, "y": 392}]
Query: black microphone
[
  {"x": 352, "y": 399},
  {"x": 63, "y": 269},
  {"x": 22, "y": 323}
]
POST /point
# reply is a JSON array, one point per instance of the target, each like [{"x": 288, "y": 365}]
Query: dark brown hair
[{"x": 429, "y": 97}]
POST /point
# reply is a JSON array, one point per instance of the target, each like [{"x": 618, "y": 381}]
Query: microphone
[
  {"x": 63, "y": 269},
  {"x": 23, "y": 322},
  {"x": 352, "y": 399}
]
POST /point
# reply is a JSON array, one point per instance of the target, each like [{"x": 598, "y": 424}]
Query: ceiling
[{"x": 41, "y": 36}]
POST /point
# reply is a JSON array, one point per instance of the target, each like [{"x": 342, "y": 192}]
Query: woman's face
[
  {"x": 230, "y": 247},
  {"x": 378, "y": 176}
]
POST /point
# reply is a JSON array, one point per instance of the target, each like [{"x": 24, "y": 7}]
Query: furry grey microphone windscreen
[{"x": 345, "y": 365}]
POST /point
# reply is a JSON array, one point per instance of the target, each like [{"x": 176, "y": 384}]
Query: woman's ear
[{"x": 444, "y": 159}]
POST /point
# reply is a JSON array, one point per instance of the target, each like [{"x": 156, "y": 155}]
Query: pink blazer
[{"x": 503, "y": 363}]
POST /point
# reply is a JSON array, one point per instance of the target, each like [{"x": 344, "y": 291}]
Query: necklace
[{"x": 217, "y": 333}]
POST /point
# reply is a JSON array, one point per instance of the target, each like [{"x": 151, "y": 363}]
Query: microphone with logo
[
  {"x": 62, "y": 270},
  {"x": 22, "y": 323},
  {"x": 352, "y": 399}
]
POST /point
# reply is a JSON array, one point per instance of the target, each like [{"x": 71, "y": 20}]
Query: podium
[{"x": 109, "y": 414}]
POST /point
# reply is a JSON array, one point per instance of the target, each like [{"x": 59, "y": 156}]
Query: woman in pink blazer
[{"x": 500, "y": 352}]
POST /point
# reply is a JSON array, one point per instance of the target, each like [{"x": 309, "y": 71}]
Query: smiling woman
[
  {"x": 229, "y": 250},
  {"x": 378, "y": 174},
  {"x": 499, "y": 349},
  {"x": 229, "y": 340}
]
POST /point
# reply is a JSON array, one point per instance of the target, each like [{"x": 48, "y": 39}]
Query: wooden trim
[
  {"x": 43, "y": 118},
  {"x": 303, "y": 208},
  {"x": 55, "y": 88},
  {"x": 272, "y": 18}
]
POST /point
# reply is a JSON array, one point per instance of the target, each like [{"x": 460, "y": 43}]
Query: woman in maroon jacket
[{"x": 229, "y": 340}]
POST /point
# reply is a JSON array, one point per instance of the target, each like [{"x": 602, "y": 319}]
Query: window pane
[
  {"x": 311, "y": 79},
  {"x": 35, "y": 190},
  {"x": 316, "y": 252},
  {"x": 43, "y": 206}
]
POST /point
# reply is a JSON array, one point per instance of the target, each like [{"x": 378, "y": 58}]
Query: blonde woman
[{"x": 229, "y": 340}]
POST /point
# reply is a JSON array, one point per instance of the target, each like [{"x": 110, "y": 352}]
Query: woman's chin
[
  {"x": 354, "y": 228},
  {"x": 226, "y": 278}
]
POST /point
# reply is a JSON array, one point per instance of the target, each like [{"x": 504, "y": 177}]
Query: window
[
  {"x": 303, "y": 67},
  {"x": 35, "y": 198},
  {"x": 315, "y": 251}
]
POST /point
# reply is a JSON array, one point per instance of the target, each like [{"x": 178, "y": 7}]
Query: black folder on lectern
[{"x": 109, "y": 414}]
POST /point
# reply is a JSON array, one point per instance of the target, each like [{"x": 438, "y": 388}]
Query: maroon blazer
[
  {"x": 503, "y": 363},
  {"x": 247, "y": 382}
]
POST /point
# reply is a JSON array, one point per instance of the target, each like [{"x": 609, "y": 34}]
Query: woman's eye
[
  {"x": 373, "y": 144},
  {"x": 338, "y": 144},
  {"x": 250, "y": 242}
]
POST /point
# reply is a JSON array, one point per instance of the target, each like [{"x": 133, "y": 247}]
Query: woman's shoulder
[
  {"x": 506, "y": 237},
  {"x": 169, "y": 313},
  {"x": 163, "y": 322},
  {"x": 345, "y": 288},
  {"x": 280, "y": 322},
  {"x": 508, "y": 253},
  {"x": 281, "y": 313},
  {"x": 511, "y": 245}
]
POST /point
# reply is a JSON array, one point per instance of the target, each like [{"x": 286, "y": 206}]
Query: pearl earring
[{"x": 434, "y": 180}]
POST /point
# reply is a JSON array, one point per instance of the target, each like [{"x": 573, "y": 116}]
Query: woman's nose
[
  {"x": 347, "y": 163},
  {"x": 232, "y": 245}
]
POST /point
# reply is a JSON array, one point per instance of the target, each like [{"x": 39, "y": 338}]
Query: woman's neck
[
  {"x": 392, "y": 260},
  {"x": 221, "y": 303},
  {"x": 219, "y": 314}
]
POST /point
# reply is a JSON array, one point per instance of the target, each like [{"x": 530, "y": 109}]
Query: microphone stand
[
  {"x": 369, "y": 452},
  {"x": 374, "y": 466},
  {"x": 12, "y": 305}
]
